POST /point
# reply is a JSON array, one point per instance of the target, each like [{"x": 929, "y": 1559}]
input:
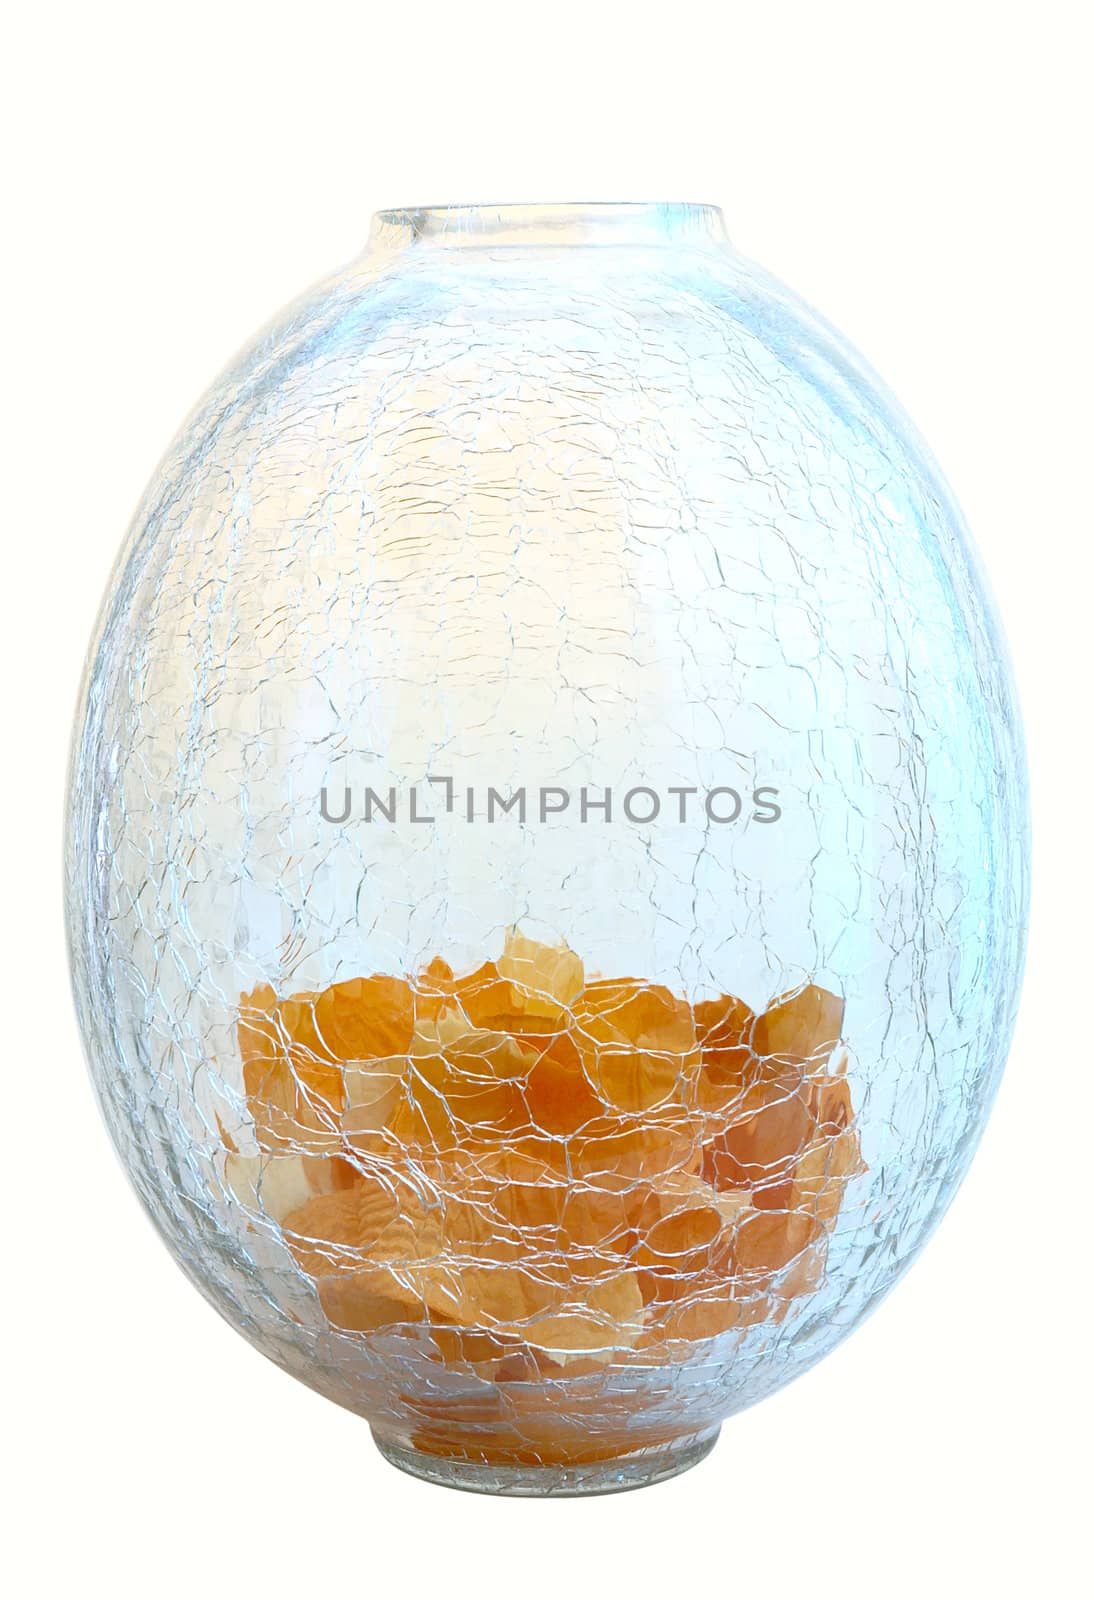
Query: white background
[{"x": 921, "y": 174}]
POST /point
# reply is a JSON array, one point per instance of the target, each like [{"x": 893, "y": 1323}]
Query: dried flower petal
[
  {"x": 803, "y": 1026},
  {"x": 636, "y": 1041}
]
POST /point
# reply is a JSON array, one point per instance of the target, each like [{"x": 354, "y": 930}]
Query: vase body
[{"x": 547, "y": 843}]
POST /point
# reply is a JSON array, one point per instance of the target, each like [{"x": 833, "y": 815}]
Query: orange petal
[
  {"x": 803, "y": 1026},
  {"x": 371, "y": 1222},
  {"x": 723, "y": 1028},
  {"x": 366, "y": 1017},
  {"x": 636, "y": 1041},
  {"x": 761, "y": 1148},
  {"x": 550, "y": 976},
  {"x": 294, "y": 1091},
  {"x": 560, "y": 1097},
  {"x": 767, "y": 1241}
]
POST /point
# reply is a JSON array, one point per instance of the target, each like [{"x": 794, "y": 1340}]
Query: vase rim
[{"x": 549, "y": 223}]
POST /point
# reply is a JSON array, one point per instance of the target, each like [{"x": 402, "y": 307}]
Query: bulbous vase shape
[{"x": 547, "y": 842}]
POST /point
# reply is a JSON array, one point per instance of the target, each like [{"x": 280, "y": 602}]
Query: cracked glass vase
[{"x": 547, "y": 843}]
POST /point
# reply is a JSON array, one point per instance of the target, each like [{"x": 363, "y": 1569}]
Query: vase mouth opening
[{"x": 549, "y": 224}]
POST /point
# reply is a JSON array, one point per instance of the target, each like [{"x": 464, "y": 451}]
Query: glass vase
[{"x": 547, "y": 843}]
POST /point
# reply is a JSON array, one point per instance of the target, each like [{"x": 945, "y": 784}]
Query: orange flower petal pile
[{"x": 547, "y": 1174}]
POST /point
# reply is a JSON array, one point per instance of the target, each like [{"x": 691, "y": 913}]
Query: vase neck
[{"x": 552, "y": 226}]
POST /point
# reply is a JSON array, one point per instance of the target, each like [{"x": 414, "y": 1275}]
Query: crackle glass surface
[{"x": 547, "y": 842}]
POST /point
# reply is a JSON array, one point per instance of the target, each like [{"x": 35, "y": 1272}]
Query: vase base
[{"x": 632, "y": 1471}]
